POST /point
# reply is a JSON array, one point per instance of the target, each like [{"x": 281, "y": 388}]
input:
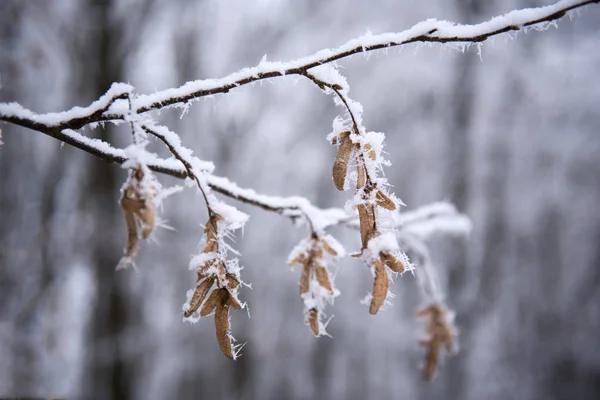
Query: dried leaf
[
  {"x": 211, "y": 228},
  {"x": 323, "y": 278},
  {"x": 210, "y": 303},
  {"x": 384, "y": 201},
  {"x": 132, "y": 230},
  {"x": 232, "y": 281},
  {"x": 392, "y": 262},
  {"x": 222, "y": 329},
  {"x": 366, "y": 217},
  {"x": 146, "y": 216},
  {"x": 305, "y": 279},
  {"x": 198, "y": 296},
  {"x": 211, "y": 247},
  {"x": 431, "y": 359},
  {"x": 370, "y": 151},
  {"x": 300, "y": 259},
  {"x": 330, "y": 250},
  {"x": 439, "y": 333},
  {"x": 361, "y": 178},
  {"x": 233, "y": 302},
  {"x": 340, "y": 165},
  {"x": 313, "y": 320},
  {"x": 380, "y": 287}
]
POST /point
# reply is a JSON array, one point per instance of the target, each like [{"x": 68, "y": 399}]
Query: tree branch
[{"x": 107, "y": 108}]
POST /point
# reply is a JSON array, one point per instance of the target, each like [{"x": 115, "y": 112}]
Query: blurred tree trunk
[{"x": 109, "y": 371}]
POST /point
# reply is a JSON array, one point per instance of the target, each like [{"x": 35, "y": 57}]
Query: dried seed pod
[
  {"x": 384, "y": 201},
  {"x": 211, "y": 247},
  {"x": 233, "y": 302},
  {"x": 323, "y": 278},
  {"x": 198, "y": 296},
  {"x": 431, "y": 359},
  {"x": 232, "y": 281},
  {"x": 222, "y": 329},
  {"x": 340, "y": 165},
  {"x": 146, "y": 216},
  {"x": 305, "y": 279},
  {"x": 380, "y": 287},
  {"x": 210, "y": 303},
  {"x": 439, "y": 333},
  {"x": 366, "y": 215},
  {"x": 300, "y": 259},
  {"x": 370, "y": 152},
  {"x": 392, "y": 262},
  {"x": 313, "y": 320},
  {"x": 328, "y": 248},
  {"x": 203, "y": 270},
  {"x": 211, "y": 228},
  {"x": 361, "y": 176},
  {"x": 336, "y": 139},
  {"x": 132, "y": 229}
]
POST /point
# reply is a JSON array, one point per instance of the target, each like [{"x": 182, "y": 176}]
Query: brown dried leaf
[
  {"x": 210, "y": 304},
  {"x": 380, "y": 287},
  {"x": 132, "y": 230},
  {"x": 384, "y": 201},
  {"x": 305, "y": 279},
  {"x": 366, "y": 217},
  {"x": 335, "y": 140},
  {"x": 431, "y": 359},
  {"x": 361, "y": 178},
  {"x": 233, "y": 302},
  {"x": 370, "y": 151},
  {"x": 313, "y": 320},
  {"x": 340, "y": 165},
  {"x": 300, "y": 259},
  {"x": 146, "y": 216},
  {"x": 392, "y": 262},
  {"x": 323, "y": 278},
  {"x": 199, "y": 295},
  {"x": 330, "y": 250},
  {"x": 211, "y": 228},
  {"x": 222, "y": 329},
  {"x": 439, "y": 333},
  {"x": 211, "y": 247},
  {"x": 232, "y": 281}
]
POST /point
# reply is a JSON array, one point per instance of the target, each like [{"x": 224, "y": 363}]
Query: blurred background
[{"x": 512, "y": 138}]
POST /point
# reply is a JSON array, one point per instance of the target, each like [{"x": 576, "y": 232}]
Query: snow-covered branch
[{"x": 108, "y": 107}]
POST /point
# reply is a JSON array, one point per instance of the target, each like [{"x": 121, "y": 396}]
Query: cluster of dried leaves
[
  {"x": 137, "y": 202},
  {"x": 440, "y": 334},
  {"x": 371, "y": 197},
  {"x": 315, "y": 281},
  {"x": 213, "y": 274}
]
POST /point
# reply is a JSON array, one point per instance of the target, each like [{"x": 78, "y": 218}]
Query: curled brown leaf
[
  {"x": 198, "y": 296},
  {"x": 384, "y": 201},
  {"x": 392, "y": 262},
  {"x": 313, "y": 320},
  {"x": 222, "y": 329},
  {"x": 323, "y": 278},
  {"x": 340, "y": 165},
  {"x": 380, "y": 287},
  {"x": 210, "y": 304},
  {"x": 305, "y": 279}
]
